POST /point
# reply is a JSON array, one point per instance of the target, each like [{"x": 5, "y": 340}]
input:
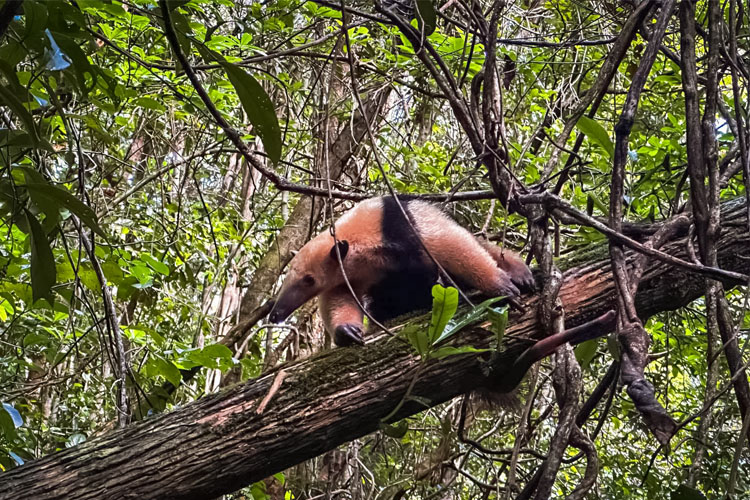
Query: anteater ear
[{"x": 343, "y": 248}]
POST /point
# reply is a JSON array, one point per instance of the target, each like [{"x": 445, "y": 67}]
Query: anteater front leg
[
  {"x": 513, "y": 264},
  {"x": 342, "y": 316},
  {"x": 467, "y": 261}
]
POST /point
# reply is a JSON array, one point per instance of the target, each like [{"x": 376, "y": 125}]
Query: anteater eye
[{"x": 308, "y": 280}]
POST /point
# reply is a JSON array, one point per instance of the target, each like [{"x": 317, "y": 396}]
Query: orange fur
[
  {"x": 511, "y": 263},
  {"x": 459, "y": 252},
  {"x": 386, "y": 266}
]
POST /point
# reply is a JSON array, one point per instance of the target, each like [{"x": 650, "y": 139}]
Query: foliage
[{"x": 115, "y": 178}]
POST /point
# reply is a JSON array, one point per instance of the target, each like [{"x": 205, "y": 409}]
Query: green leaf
[
  {"x": 595, "y": 202},
  {"x": 155, "y": 264},
  {"x": 613, "y": 346},
  {"x": 397, "y": 430},
  {"x": 258, "y": 491},
  {"x": 216, "y": 356},
  {"x": 685, "y": 492},
  {"x": 67, "y": 271},
  {"x": 80, "y": 61},
  {"x": 426, "y": 16},
  {"x": 66, "y": 200},
  {"x": 6, "y": 308},
  {"x": 143, "y": 274},
  {"x": 251, "y": 368},
  {"x": 43, "y": 270},
  {"x": 36, "y": 338},
  {"x": 164, "y": 368},
  {"x": 259, "y": 108},
  {"x": 444, "y": 305},
  {"x": 474, "y": 315},
  {"x": 8, "y": 98},
  {"x": 217, "y": 351},
  {"x": 35, "y": 18},
  {"x": 150, "y": 103},
  {"x": 585, "y": 352},
  {"x": 596, "y": 133},
  {"x": 15, "y": 138},
  {"x": 418, "y": 338},
  {"x": 499, "y": 319},
  {"x": 7, "y": 426}
]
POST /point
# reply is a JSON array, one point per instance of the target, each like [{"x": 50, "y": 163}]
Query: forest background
[{"x": 161, "y": 161}]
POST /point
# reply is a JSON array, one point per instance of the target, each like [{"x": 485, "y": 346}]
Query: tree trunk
[{"x": 228, "y": 440}]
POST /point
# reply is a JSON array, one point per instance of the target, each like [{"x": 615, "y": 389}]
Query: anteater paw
[
  {"x": 524, "y": 280},
  {"x": 348, "y": 334},
  {"x": 509, "y": 289}
]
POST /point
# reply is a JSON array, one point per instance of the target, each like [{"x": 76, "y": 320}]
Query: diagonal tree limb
[
  {"x": 219, "y": 443},
  {"x": 557, "y": 205}
]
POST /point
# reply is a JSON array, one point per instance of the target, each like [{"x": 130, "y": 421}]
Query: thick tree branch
[{"x": 219, "y": 443}]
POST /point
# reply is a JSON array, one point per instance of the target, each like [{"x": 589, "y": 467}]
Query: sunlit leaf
[
  {"x": 444, "y": 305},
  {"x": 476, "y": 313},
  {"x": 446, "y": 351},
  {"x": 417, "y": 337},
  {"x": 155, "y": 264},
  {"x": 597, "y": 134}
]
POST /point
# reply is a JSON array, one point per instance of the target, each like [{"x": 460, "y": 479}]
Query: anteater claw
[{"x": 348, "y": 334}]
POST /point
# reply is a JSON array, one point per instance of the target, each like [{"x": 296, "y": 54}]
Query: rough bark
[{"x": 221, "y": 443}]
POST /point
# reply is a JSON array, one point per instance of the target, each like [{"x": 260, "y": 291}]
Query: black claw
[
  {"x": 525, "y": 283},
  {"x": 348, "y": 334},
  {"x": 511, "y": 290}
]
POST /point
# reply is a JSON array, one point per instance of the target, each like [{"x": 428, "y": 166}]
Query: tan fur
[
  {"x": 337, "y": 307},
  {"x": 511, "y": 263},
  {"x": 458, "y": 251},
  {"x": 316, "y": 271}
]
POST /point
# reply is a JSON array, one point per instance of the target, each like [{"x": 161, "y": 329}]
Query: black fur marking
[
  {"x": 396, "y": 228},
  {"x": 401, "y": 292},
  {"x": 408, "y": 286}
]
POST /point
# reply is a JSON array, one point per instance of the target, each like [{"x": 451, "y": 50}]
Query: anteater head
[{"x": 312, "y": 271}]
